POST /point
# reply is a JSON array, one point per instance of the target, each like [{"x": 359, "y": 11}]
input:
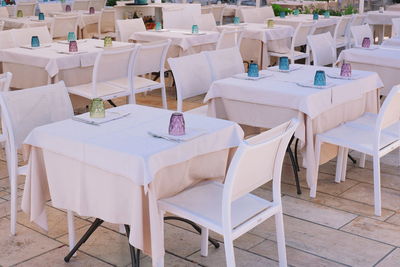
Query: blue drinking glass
[
  {"x": 41, "y": 16},
  {"x": 195, "y": 29},
  {"x": 3, "y": 3},
  {"x": 284, "y": 63},
  {"x": 35, "y": 41},
  {"x": 296, "y": 12},
  {"x": 327, "y": 14},
  {"x": 71, "y": 37},
  {"x": 315, "y": 16},
  {"x": 158, "y": 26},
  {"x": 253, "y": 70},
  {"x": 236, "y": 20},
  {"x": 320, "y": 79},
  {"x": 282, "y": 14}
]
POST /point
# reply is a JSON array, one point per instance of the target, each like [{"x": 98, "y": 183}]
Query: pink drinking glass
[
  {"x": 73, "y": 46},
  {"x": 366, "y": 42},
  {"x": 91, "y": 10},
  {"x": 345, "y": 71},
  {"x": 67, "y": 8},
  {"x": 176, "y": 124}
]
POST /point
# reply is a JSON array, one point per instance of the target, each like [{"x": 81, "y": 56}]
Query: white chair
[
  {"x": 62, "y": 25},
  {"x": 323, "y": 49},
  {"x": 360, "y": 32},
  {"x": 28, "y": 9},
  {"x": 22, "y": 111},
  {"x": 229, "y": 38},
  {"x": 266, "y": 12},
  {"x": 229, "y": 209},
  {"x": 225, "y": 62},
  {"x": 23, "y": 36},
  {"x": 7, "y": 39},
  {"x": 126, "y": 27},
  {"x": 97, "y": 4},
  {"x": 252, "y": 15},
  {"x": 340, "y": 35},
  {"x": 48, "y": 8},
  {"x": 80, "y": 5},
  {"x": 206, "y": 22},
  {"x": 150, "y": 58},
  {"x": 358, "y": 19},
  {"x": 188, "y": 85},
  {"x": 177, "y": 18},
  {"x": 4, "y": 12},
  {"x": 1, "y": 25},
  {"x": 377, "y": 140},
  {"x": 299, "y": 39},
  {"x": 5, "y": 80},
  {"x": 395, "y": 27},
  {"x": 106, "y": 25},
  {"x": 110, "y": 65}
]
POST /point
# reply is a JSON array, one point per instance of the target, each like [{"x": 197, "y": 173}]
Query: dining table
[
  {"x": 25, "y": 22},
  {"x": 383, "y": 59},
  {"x": 277, "y": 96},
  {"x": 379, "y": 20},
  {"x": 117, "y": 168},
  {"x": 322, "y": 24}
]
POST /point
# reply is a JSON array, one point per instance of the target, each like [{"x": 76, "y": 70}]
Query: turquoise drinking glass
[
  {"x": 71, "y": 37},
  {"x": 253, "y": 70},
  {"x": 296, "y": 12},
  {"x": 282, "y": 14},
  {"x": 319, "y": 78},
  {"x": 315, "y": 16},
  {"x": 236, "y": 20},
  {"x": 284, "y": 63},
  {"x": 35, "y": 41},
  {"x": 195, "y": 29},
  {"x": 327, "y": 14},
  {"x": 158, "y": 26},
  {"x": 3, "y": 3},
  {"x": 41, "y": 16}
]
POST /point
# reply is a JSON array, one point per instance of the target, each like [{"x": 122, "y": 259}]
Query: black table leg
[
  {"x": 135, "y": 253},
  {"x": 294, "y": 166}
]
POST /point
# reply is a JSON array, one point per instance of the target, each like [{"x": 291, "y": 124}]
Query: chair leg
[
  {"x": 339, "y": 165},
  {"x": 296, "y": 145},
  {"x": 229, "y": 252},
  {"x": 71, "y": 229},
  {"x": 313, "y": 190},
  {"x": 164, "y": 97},
  {"x": 204, "y": 241},
  {"x": 280, "y": 238},
  {"x": 13, "y": 211},
  {"x": 377, "y": 185},
  {"x": 295, "y": 172},
  {"x": 362, "y": 160},
  {"x": 121, "y": 229},
  {"x": 111, "y": 103},
  {"x": 344, "y": 164}
]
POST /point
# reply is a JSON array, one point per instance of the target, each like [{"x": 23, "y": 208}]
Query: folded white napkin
[
  {"x": 244, "y": 76},
  {"x": 190, "y": 133},
  {"x": 311, "y": 84},
  {"x": 110, "y": 116}
]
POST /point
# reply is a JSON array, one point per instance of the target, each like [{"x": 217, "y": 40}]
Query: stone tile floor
[{"x": 337, "y": 228}]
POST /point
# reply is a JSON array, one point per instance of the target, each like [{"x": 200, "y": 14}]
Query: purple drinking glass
[
  {"x": 366, "y": 42},
  {"x": 176, "y": 124},
  {"x": 345, "y": 71},
  {"x": 91, "y": 10},
  {"x": 73, "y": 46},
  {"x": 67, "y": 8}
]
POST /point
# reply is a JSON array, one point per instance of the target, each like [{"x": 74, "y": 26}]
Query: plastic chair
[
  {"x": 97, "y": 4},
  {"x": 150, "y": 58},
  {"x": 110, "y": 65},
  {"x": 266, "y": 12},
  {"x": 206, "y": 22},
  {"x": 106, "y": 25},
  {"x": 4, "y": 12},
  {"x": 48, "y": 8},
  {"x": 252, "y": 15},
  {"x": 230, "y": 209},
  {"x": 177, "y": 18},
  {"x": 360, "y": 32},
  {"x": 22, "y": 111},
  {"x": 229, "y": 38},
  {"x": 395, "y": 27},
  {"x": 225, "y": 62},
  {"x": 80, "y": 5},
  {"x": 5, "y": 80},
  {"x": 23, "y": 36},
  {"x": 340, "y": 35},
  {"x": 1, "y": 25},
  {"x": 187, "y": 84},
  {"x": 126, "y": 27},
  {"x": 299, "y": 39},
  {"x": 28, "y": 9},
  {"x": 323, "y": 49},
  {"x": 62, "y": 25},
  {"x": 375, "y": 135}
]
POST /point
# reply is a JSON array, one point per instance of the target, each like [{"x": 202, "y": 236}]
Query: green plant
[
  {"x": 349, "y": 10},
  {"x": 278, "y": 9}
]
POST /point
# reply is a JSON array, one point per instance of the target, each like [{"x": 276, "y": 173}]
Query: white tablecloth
[
  {"x": 104, "y": 171},
  {"x": 25, "y": 22},
  {"x": 306, "y": 18},
  {"x": 385, "y": 18},
  {"x": 84, "y": 17},
  {"x": 393, "y": 42},
  {"x": 395, "y": 7},
  {"x": 272, "y": 100},
  {"x": 384, "y": 60}
]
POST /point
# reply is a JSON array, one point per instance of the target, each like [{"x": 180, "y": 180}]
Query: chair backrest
[
  {"x": 206, "y": 22},
  {"x": 389, "y": 113},
  {"x": 206, "y": 9},
  {"x": 229, "y": 38},
  {"x": 107, "y": 21},
  {"x": 225, "y": 62},
  {"x": 48, "y": 8},
  {"x": 126, "y": 27},
  {"x": 360, "y": 32},
  {"x": 358, "y": 19},
  {"x": 112, "y": 64},
  {"x": 395, "y": 27},
  {"x": 177, "y": 18},
  {"x": 80, "y": 5},
  {"x": 150, "y": 58},
  {"x": 28, "y": 9},
  {"x": 266, "y": 12},
  {"x": 7, "y": 39},
  {"x": 341, "y": 27},
  {"x": 4, "y": 12},
  {"x": 5, "y": 80},
  {"x": 252, "y": 15},
  {"x": 97, "y": 4},
  {"x": 257, "y": 161},
  {"x": 24, "y": 110},
  {"x": 23, "y": 36},
  {"x": 300, "y": 34},
  {"x": 323, "y": 49},
  {"x": 62, "y": 25},
  {"x": 192, "y": 75}
]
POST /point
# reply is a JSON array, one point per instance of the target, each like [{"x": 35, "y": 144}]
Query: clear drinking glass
[
  {"x": 41, "y": 16},
  {"x": 284, "y": 63},
  {"x": 282, "y": 14},
  {"x": 176, "y": 124},
  {"x": 20, "y": 14},
  {"x": 253, "y": 70},
  {"x": 107, "y": 41},
  {"x": 319, "y": 78},
  {"x": 71, "y": 37},
  {"x": 35, "y": 41},
  {"x": 195, "y": 29},
  {"x": 236, "y": 20},
  {"x": 73, "y": 47},
  {"x": 366, "y": 42},
  {"x": 91, "y": 10},
  {"x": 96, "y": 108},
  {"x": 158, "y": 26},
  {"x": 315, "y": 16},
  {"x": 345, "y": 70}
]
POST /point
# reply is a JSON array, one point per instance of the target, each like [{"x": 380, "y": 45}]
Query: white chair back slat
[
  {"x": 48, "y": 8},
  {"x": 301, "y": 32},
  {"x": 358, "y": 19},
  {"x": 177, "y": 18},
  {"x": 323, "y": 49},
  {"x": 188, "y": 82},
  {"x": 97, "y": 4},
  {"x": 106, "y": 21},
  {"x": 266, "y": 12},
  {"x": 390, "y": 110},
  {"x": 62, "y": 25},
  {"x": 7, "y": 39},
  {"x": 360, "y": 32},
  {"x": 225, "y": 62},
  {"x": 342, "y": 27},
  {"x": 395, "y": 27},
  {"x": 206, "y": 22},
  {"x": 229, "y": 38},
  {"x": 27, "y": 8},
  {"x": 80, "y": 5},
  {"x": 5, "y": 81},
  {"x": 151, "y": 57},
  {"x": 23, "y": 36},
  {"x": 252, "y": 15},
  {"x": 127, "y": 27}
]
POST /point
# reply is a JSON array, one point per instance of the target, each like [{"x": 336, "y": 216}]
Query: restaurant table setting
[
  {"x": 294, "y": 20},
  {"x": 25, "y": 22},
  {"x": 84, "y": 17},
  {"x": 320, "y": 97},
  {"x": 118, "y": 168}
]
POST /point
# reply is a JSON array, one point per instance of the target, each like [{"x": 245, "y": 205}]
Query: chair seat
[
  {"x": 199, "y": 111},
  {"x": 356, "y": 137},
  {"x": 368, "y": 121},
  {"x": 294, "y": 55},
  {"x": 104, "y": 90},
  {"x": 140, "y": 83},
  {"x": 203, "y": 204}
]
